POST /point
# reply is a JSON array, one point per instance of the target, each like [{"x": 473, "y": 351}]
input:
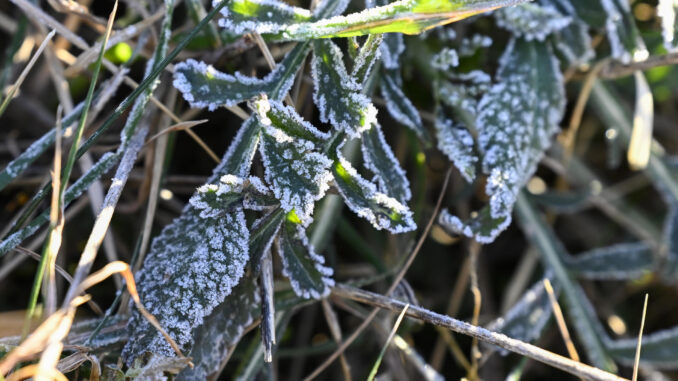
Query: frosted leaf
[
  {"x": 211, "y": 199},
  {"x": 222, "y": 329},
  {"x": 469, "y": 46},
  {"x": 403, "y": 16},
  {"x": 192, "y": 266},
  {"x": 481, "y": 226},
  {"x": 400, "y": 107},
  {"x": 258, "y": 196},
  {"x": 445, "y": 59},
  {"x": 261, "y": 16},
  {"x": 462, "y": 91},
  {"x": 379, "y": 159},
  {"x": 157, "y": 368},
  {"x": 336, "y": 94},
  {"x": 262, "y": 234},
  {"x": 309, "y": 277},
  {"x": 362, "y": 197},
  {"x": 616, "y": 262},
  {"x": 574, "y": 42},
  {"x": 531, "y": 21},
  {"x": 298, "y": 174},
  {"x": 526, "y": 320},
  {"x": 670, "y": 268},
  {"x": 516, "y": 121},
  {"x": 666, "y": 10},
  {"x": 659, "y": 350},
  {"x": 368, "y": 55},
  {"x": 202, "y": 86},
  {"x": 393, "y": 45},
  {"x": 456, "y": 142},
  {"x": 625, "y": 40}
]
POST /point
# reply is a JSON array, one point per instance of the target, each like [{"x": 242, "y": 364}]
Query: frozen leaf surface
[
  {"x": 309, "y": 277},
  {"x": 659, "y": 350},
  {"x": 205, "y": 87},
  {"x": 456, "y": 142},
  {"x": 297, "y": 173},
  {"x": 400, "y": 107},
  {"x": 531, "y": 21},
  {"x": 625, "y": 40},
  {"x": 369, "y": 54},
  {"x": 193, "y": 265},
  {"x": 516, "y": 121},
  {"x": 223, "y": 327},
  {"x": 617, "y": 262},
  {"x": 379, "y": 159},
  {"x": 336, "y": 94},
  {"x": 362, "y": 197}
]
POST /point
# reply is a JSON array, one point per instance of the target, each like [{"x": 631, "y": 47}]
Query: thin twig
[
  {"x": 474, "y": 252},
  {"x": 563, "y": 363},
  {"x": 399, "y": 276},
  {"x": 636, "y": 363},
  {"x": 615, "y": 69},
  {"x": 562, "y": 327}
]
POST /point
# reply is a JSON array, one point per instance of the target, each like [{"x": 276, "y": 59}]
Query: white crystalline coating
[
  {"x": 369, "y": 54},
  {"x": 298, "y": 175},
  {"x": 206, "y": 199},
  {"x": 393, "y": 45},
  {"x": 227, "y": 90},
  {"x": 616, "y": 262},
  {"x": 293, "y": 255},
  {"x": 579, "y": 53},
  {"x": 338, "y": 7},
  {"x": 468, "y": 229},
  {"x": 399, "y": 106},
  {"x": 192, "y": 266},
  {"x": 365, "y": 205},
  {"x": 380, "y": 160},
  {"x": 336, "y": 94},
  {"x": 273, "y": 17},
  {"x": 469, "y": 46},
  {"x": 456, "y": 142},
  {"x": 238, "y": 157},
  {"x": 618, "y": 31},
  {"x": 531, "y": 21},
  {"x": 517, "y": 119},
  {"x": 659, "y": 348},
  {"x": 293, "y": 122},
  {"x": 256, "y": 188},
  {"x": 463, "y": 89},
  {"x": 446, "y": 59},
  {"x": 666, "y": 10}
]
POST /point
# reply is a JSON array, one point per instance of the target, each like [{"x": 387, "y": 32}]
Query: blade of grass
[
  {"x": 375, "y": 367},
  {"x": 24, "y": 73},
  {"x": 636, "y": 363},
  {"x": 71, "y": 161},
  {"x": 562, "y": 327},
  {"x": 18, "y": 37}
]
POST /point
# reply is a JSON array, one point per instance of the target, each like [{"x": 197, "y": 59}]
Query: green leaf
[
  {"x": 456, "y": 142},
  {"x": 264, "y": 231},
  {"x": 309, "y": 277},
  {"x": 182, "y": 290},
  {"x": 205, "y": 87},
  {"x": 624, "y": 37},
  {"x": 616, "y": 262},
  {"x": 337, "y": 95},
  {"x": 362, "y": 197},
  {"x": 404, "y": 16},
  {"x": 526, "y": 320},
  {"x": 222, "y": 329},
  {"x": 480, "y": 225},
  {"x": 400, "y": 107},
  {"x": 461, "y": 93},
  {"x": 369, "y": 54},
  {"x": 659, "y": 350},
  {"x": 516, "y": 121},
  {"x": 379, "y": 158},
  {"x": 670, "y": 267},
  {"x": 297, "y": 173}
]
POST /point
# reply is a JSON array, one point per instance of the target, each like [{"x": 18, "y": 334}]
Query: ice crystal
[
  {"x": 666, "y": 10},
  {"x": 368, "y": 55},
  {"x": 531, "y": 21},
  {"x": 469, "y": 46},
  {"x": 362, "y": 197},
  {"x": 456, "y": 142},
  {"x": 379, "y": 159},
  {"x": 309, "y": 277},
  {"x": 336, "y": 94},
  {"x": 625, "y": 40},
  {"x": 445, "y": 59},
  {"x": 261, "y": 16}
]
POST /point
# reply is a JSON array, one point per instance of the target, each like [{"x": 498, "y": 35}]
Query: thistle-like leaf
[
  {"x": 309, "y": 277},
  {"x": 515, "y": 123},
  {"x": 223, "y": 327},
  {"x": 404, "y": 16},
  {"x": 205, "y": 87},
  {"x": 379, "y": 159},
  {"x": 211, "y": 237},
  {"x": 532, "y": 21},
  {"x": 617, "y": 262},
  {"x": 362, "y": 197},
  {"x": 297, "y": 173},
  {"x": 336, "y": 94}
]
